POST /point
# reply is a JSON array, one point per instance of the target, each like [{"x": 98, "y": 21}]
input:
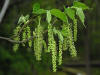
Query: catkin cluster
[
  {"x": 72, "y": 48},
  {"x": 68, "y": 40},
  {"x": 65, "y": 39}
]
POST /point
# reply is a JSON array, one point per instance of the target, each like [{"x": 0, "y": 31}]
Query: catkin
[
  {"x": 60, "y": 52},
  {"x": 17, "y": 38},
  {"x": 54, "y": 55},
  {"x": 75, "y": 29},
  {"x": 29, "y": 36},
  {"x": 65, "y": 40},
  {"x": 72, "y": 48},
  {"x": 52, "y": 47},
  {"x": 65, "y": 44},
  {"x": 49, "y": 37},
  {"x": 24, "y": 36}
]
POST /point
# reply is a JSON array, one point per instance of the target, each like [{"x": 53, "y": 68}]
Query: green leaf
[
  {"x": 40, "y": 11},
  {"x": 80, "y": 5},
  {"x": 80, "y": 14},
  {"x": 37, "y": 10},
  {"x": 59, "y": 14},
  {"x": 48, "y": 16},
  {"x": 36, "y": 7},
  {"x": 70, "y": 12}
]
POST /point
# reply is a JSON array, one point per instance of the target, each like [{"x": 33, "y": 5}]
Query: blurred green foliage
[{"x": 24, "y": 63}]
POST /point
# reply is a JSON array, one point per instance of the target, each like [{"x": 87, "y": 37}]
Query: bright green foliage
[
  {"x": 70, "y": 12},
  {"x": 75, "y": 29},
  {"x": 59, "y": 14},
  {"x": 80, "y": 5},
  {"x": 51, "y": 38}
]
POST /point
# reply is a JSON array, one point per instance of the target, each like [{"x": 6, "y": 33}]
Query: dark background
[{"x": 23, "y": 62}]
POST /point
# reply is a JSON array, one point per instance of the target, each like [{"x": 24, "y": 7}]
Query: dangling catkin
[
  {"x": 17, "y": 38},
  {"x": 75, "y": 29},
  {"x": 60, "y": 52},
  {"x": 38, "y": 41},
  {"x": 72, "y": 48},
  {"x": 54, "y": 55},
  {"x": 49, "y": 37},
  {"x": 29, "y": 36}
]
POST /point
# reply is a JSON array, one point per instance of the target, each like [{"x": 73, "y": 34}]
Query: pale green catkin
[
  {"x": 38, "y": 42},
  {"x": 65, "y": 42},
  {"x": 60, "y": 52},
  {"x": 24, "y": 36},
  {"x": 29, "y": 36},
  {"x": 17, "y": 38},
  {"x": 49, "y": 37},
  {"x": 52, "y": 47},
  {"x": 75, "y": 29},
  {"x": 72, "y": 48},
  {"x": 54, "y": 55}
]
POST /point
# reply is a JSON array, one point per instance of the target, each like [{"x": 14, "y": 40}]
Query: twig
[
  {"x": 3, "y": 11},
  {"x": 13, "y": 41}
]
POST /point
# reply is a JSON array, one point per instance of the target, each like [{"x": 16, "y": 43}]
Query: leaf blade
[{"x": 59, "y": 14}]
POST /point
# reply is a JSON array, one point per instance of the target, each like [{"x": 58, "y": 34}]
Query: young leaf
[
  {"x": 37, "y": 10},
  {"x": 80, "y": 5},
  {"x": 48, "y": 16},
  {"x": 36, "y": 7},
  {"x": 40, "y": 11},
  {"x": 70, "y": 12},
  {"x": 81, "y": 15},
  {"x": 59, "y": 14}
]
